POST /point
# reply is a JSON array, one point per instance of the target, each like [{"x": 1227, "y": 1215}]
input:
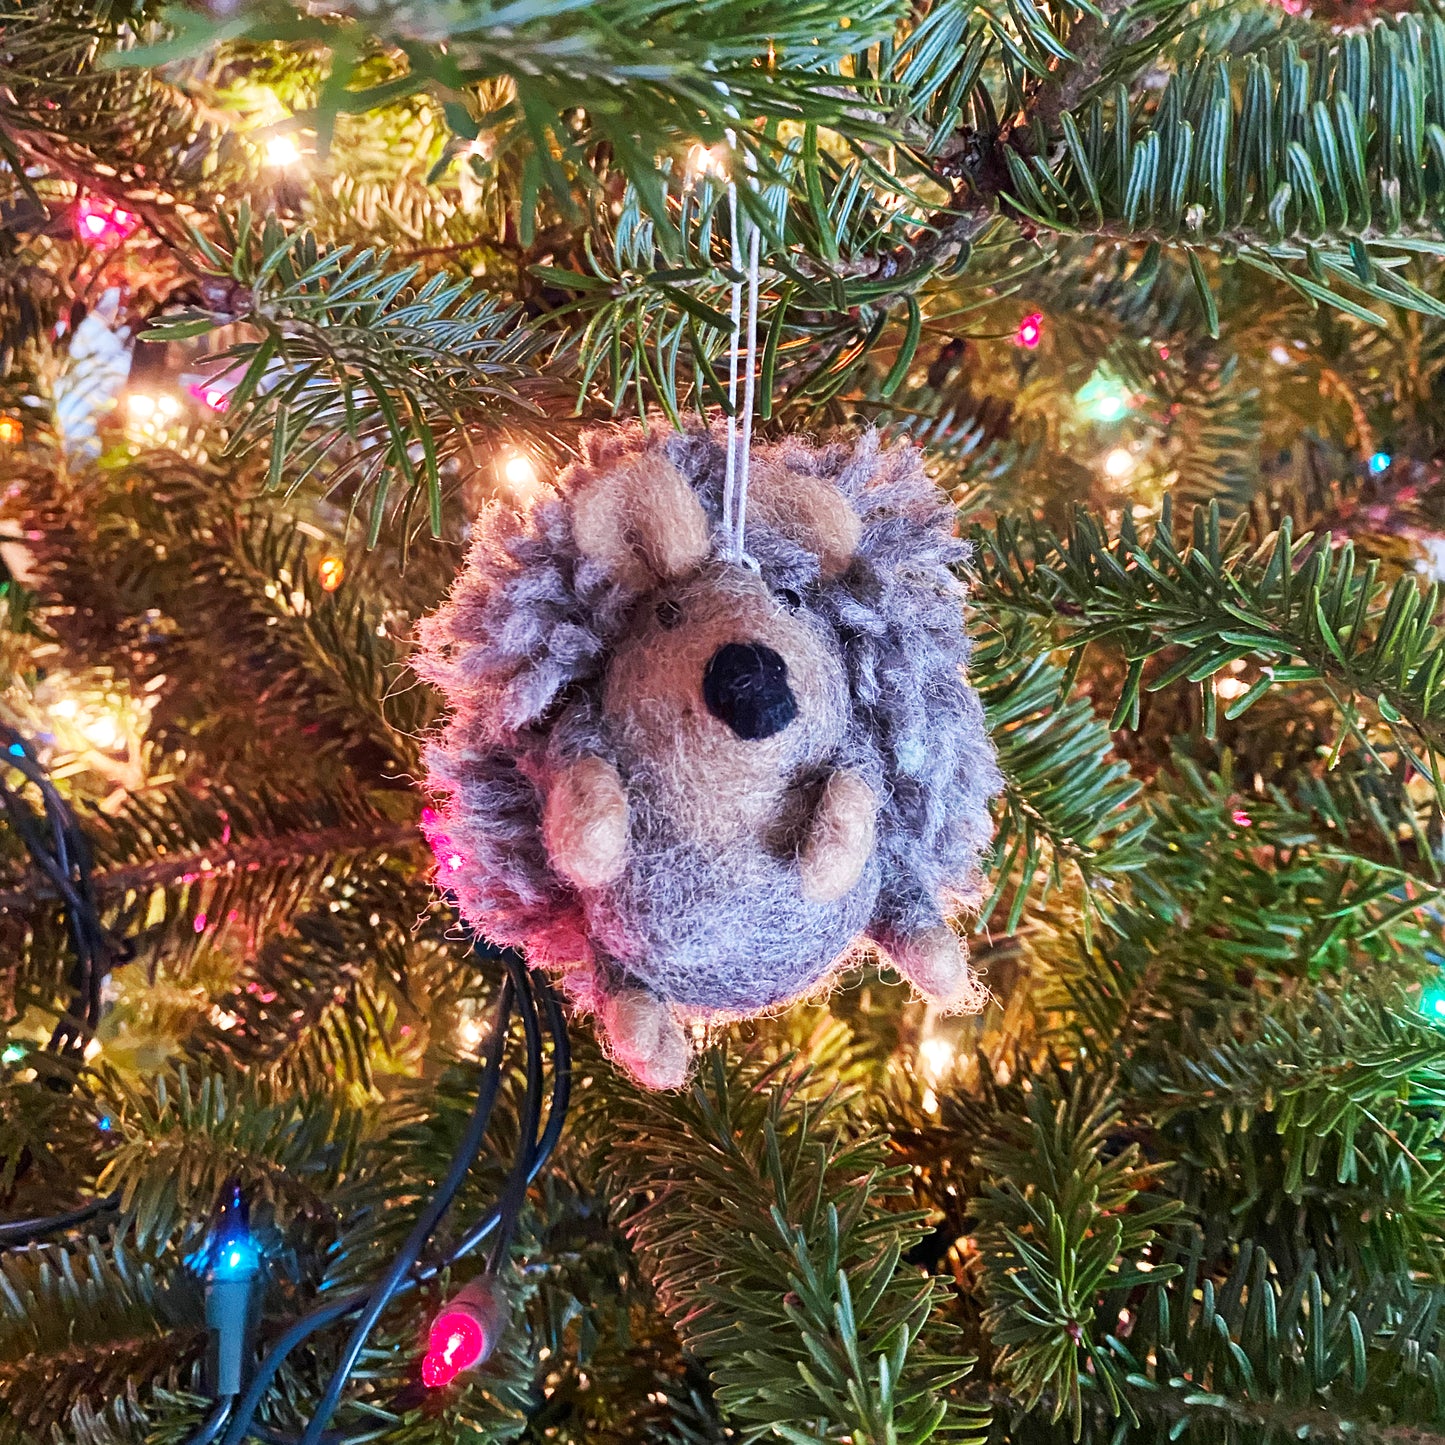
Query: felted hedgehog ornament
[{"x": 689, "y": 780}]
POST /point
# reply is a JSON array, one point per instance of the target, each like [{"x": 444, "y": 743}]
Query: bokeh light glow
[
  {"x": 1119, "y": 463},
  {"x": 282, "y": 151}
]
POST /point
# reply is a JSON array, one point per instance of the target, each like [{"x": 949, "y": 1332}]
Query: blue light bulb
[
  {"x": 17, "y": 750},
  {"x": 233, "y": 1252},
  {"x": 237, "y": 1259},
  {"x": 1380, "y": 462}
]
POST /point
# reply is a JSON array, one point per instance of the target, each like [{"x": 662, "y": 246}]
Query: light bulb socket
[
  {"x": 233, "y": 1263},
  {"x": 230, "y": 1317}
]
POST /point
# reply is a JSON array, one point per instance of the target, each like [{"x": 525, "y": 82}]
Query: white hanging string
[
  {"x": 740, "y": 427},
  {"x": 730, "y": 476},
  {"x": 742, "y": 353},
  {"x": 749, "y": 379}
]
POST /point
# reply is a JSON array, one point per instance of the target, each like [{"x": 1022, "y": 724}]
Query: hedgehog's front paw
[
  {"x": 936, "y": 964},
  {"x": 840, "y": 838},
  {"x": 646, "y": 1038},
  {"x": 584, "y": 824}
]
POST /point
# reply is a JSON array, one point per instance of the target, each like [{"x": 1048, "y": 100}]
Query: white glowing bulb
[
  {"x": 1230, "y": 688},
  {"x": 282, "y": 151},
  {"x": 470, "y": 1032},
  {"x": 101, "y": 732},
  {"x": 67, "y": 707},
  {"x": 707, "y": 161},
  {"x": 520, "y": 471},
  {"x": 936, "y": 1054},
  {"x": 140, "y": 406},
  {"x": 1119, "y": 463},
  {"x": 92, "y": 1049},
  {"x": 168, "y": 405}
]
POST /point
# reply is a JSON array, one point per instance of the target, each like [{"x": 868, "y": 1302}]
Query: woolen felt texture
[{"x": 521, "y": 651}]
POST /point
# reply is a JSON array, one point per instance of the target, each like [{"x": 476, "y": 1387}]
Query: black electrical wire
[
  {"x": 514, "y": 984},
  {"x": 302, "y": 1330},
  {"x": 337, "y": 1309},
  {"x": 514, "y": 1191},
  {"x": 375, "y": 1298},
  {"x": 213, "y": 1424},
  {"x": 60, "y": 853},
  {"x": 331, "y": 1437},
  {"x": 556, "y": 1117},
  {"x": 26, "y": 1231},
  {"x": 59, "y": 850}
]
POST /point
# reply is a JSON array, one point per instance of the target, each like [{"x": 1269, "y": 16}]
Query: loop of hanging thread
[{"x": 740, "y": 428}]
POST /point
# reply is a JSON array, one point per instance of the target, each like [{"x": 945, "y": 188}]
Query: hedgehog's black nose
[{"x": 746, "y": 685}]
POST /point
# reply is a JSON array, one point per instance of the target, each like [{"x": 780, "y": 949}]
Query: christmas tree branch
[
  {"x": 1063, "y": 1226},
  {"x": 1067, "y": 799},
  {"x": 221, "y": 860},
  {"x": 1301, "y": 610},
  {"x": 361, "y": 377},
  {"x": 779, "y": 1202}
]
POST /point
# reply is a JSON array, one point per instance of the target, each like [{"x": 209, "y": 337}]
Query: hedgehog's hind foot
[
  {"x": 936, "y": 963},
  {"x": 646, "y": 1037}
]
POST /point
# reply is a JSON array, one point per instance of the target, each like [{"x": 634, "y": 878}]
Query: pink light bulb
[
  {"x": 457, "y": 1342},
  {"x": 101, "y": 221}
]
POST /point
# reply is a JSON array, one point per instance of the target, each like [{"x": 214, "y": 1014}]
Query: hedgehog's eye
[
  {"x": 788, "y": 598},
  {"x": 669, "y": 614}
]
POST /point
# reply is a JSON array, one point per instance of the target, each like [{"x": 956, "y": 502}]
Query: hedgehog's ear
[
  {"x": 806, "y": 509},
  {"x": 640, "y": 521}
]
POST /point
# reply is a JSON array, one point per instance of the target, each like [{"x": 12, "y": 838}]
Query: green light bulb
[
  {"x": 1104, "y": 397},
  {"x": 1432, "y": 1003}
]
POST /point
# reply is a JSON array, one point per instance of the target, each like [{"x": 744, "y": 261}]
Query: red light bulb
[
  {"x": 1031, "y": 331},
  {"x": 462, "y": 1335}
]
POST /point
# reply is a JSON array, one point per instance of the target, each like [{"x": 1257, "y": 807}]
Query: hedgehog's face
[{"x": 728, "y": 695}]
